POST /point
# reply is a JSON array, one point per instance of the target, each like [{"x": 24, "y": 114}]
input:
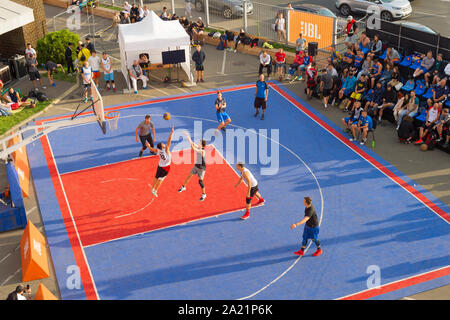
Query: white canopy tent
[
  {"x": 13, "y": 16},
  {"x": 152, "y": 35}
]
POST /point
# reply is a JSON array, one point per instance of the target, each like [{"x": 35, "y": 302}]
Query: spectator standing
[
  {"x": 69, "y": 59},
  {"x": 351, "y": 30},
  {"x": 199, "y": 58},
  {"x": 86, "y": 75},
  {"x": 300, "y": 44},
  {"x": 135, "y": 73},
  {"x": 33, "y": 71},
  {"x": 89, "y": 45},
  {"x": 280, "y": 63},
  {"x": 30, "y": 50},
  {"x": 188, "y": 10},
  {"x": 107, "y": 66},
  {"x": 83, "y": 56},
  {"x": 126, "y": 7},
  {"x": 265, "y": 61},
  {"x": 280, "y": 25},
  {"x": 326, "y": 84},
  {"x": 311, "y": 78},
  {"x": 116, "y": 22},
  {"x": 20, "y": 294},
  {"x": 94, "y": 63}
]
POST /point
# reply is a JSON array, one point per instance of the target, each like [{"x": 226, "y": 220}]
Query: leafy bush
[{"x": 53, "y": 46}]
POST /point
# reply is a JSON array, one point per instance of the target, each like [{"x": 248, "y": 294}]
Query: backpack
[
  {"x": 247, "y": 40},
  {"x": 41, "y": 97},
  {"x": 230, "y": 35},
  {"x": 430, "y": 139},
  {"x": 32, "y": 94}
]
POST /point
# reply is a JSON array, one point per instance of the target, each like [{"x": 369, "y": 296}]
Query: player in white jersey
[
  {"x": 106, "y": 64},
  {"x": 165, "y": 159},
  {"x": 252, "y": 191}
]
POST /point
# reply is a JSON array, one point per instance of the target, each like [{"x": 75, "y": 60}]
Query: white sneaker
[
  {"x": 352, "y": 139},
  {"x": 363, "y": 142},
  {"x": 183, "y": 188},
  {"x": 154, "y": 193},
  {"x": 203, "y": 197}
]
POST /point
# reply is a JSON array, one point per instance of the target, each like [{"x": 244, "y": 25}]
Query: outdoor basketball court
[{"x": 99, "y": 214}]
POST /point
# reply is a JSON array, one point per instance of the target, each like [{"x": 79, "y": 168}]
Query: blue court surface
[{"x": 372, "y": 217}]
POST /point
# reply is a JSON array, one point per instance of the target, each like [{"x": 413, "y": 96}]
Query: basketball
[
  {"x": 166, "y": 116},
  {"x": 424, "y": 147}
]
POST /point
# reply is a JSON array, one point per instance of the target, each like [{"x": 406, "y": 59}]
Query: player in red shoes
[
  {"x": 311, "y": 230},
  {"x": 165, "y": 159},
  {"x": 252, "y": 191}
]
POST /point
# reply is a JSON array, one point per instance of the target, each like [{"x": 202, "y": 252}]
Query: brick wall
[{"x": 15, "y": 41}]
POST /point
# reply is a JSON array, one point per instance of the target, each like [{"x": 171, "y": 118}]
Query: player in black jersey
[{"x": 199, "y": 167}]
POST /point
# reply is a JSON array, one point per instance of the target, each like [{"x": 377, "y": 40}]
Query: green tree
[{"x": 53, "y": 46}]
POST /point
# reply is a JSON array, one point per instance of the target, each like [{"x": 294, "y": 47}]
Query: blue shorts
[
  {"x": 348, "y": 118},
  {"x": 109, "y": 76},
  {"x": 222, "y": 116},
  {"x": 311, "y": 233}
]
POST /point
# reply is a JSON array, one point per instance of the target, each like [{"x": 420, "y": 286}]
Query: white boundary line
[
  {"x": 360, "y": 155},
  {"x": 71, "y": 217}
]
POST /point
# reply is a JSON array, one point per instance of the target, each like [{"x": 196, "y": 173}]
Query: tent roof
[
  {"x": 13, "y": 16},
  {"x": 153, "y": 33}
]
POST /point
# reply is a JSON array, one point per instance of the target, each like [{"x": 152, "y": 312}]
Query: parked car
[
  {"x": 320, "y": 10},
  {"x": 389, "y": 9},
  {"x": 227, "y": 8},
  {"x": 416, "y": 26}
]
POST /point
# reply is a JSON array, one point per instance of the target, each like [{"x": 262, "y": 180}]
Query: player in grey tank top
[{"x": 199, "y": 168}]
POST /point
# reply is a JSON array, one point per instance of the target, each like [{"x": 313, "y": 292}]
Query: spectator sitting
[
  {"x": 240, "y": 38},
  {"x": 135, "y": 73},
  {"x": 401, "y": 104},
  {"x": 436, "y": 72},
  {"x": 447, "y": 71},
  {"x": 432, "y": 118},
  {"x": 125, "y": 18},
  {"x": 20, "y": 294},
  {"x": 5, "y": 109},
  {"x": 444, "y": 120},
  {"x": 146, "y": 11},
  {"x": 51, "y": 69},
  {"x": 364, "y": 124},
  {"x": 364, "y": 43},
  {"x": 386, "y": 76},
  {"x": 190, "y": 31},
  {"x": 265, "y": 61},
  {"x": 360, "y": 90},
  {"x": 298, "y": 60},
  {"x": 426, "y": 64},
  {"x": 126, "y": 7},
  {"x": 347, "y": 88},
  {"x": 409, "y": 109},
  {"x": 140, "y": 13},
  {"x": 164, "y": 14},
  {"x": 375, "y": 72},
  {"x": 392, "y": 56},
  {"x": 353, "y": 118},
  {"x": 144, "y": 63},
  {"x": 280, "y": 63},
  {"x": 366, "y": 67},
  {"x": 389, "y": 101},
  {"x": 134, "y": 13},
  {"x": 307, "y": 59},
  {"x": 396, "y": 79},
  {"x": 358, "y": 59},
  {"x": 377, "y": 99},
  {"x": 376, "y": 47},
  {"x": 199, "y": 29},
  {"x": 184, "y": 22},
  {"x": 174, "y": 17},
  {"x": 441, "y": 91},
  {"x": 406, "y": 130},
  {"x": 347, "y": 60},
  {"x": 13, "y": 99}
]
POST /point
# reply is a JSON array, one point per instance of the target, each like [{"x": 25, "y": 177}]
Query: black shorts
[
  {"x": 253, "y": 191},
  {"x": 34, "y": 75},
  {"x": 260, "y": 103},
  {"x": 199, "y": 67},
  {"x": 326, "y": 92},
  {"x": 162, "y": 172},
  {"x": 146, "y": 138},
  {"x": 86, "y": 86}
]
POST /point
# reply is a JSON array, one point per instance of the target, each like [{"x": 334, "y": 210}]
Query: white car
[{"x": 388, "y": 9}]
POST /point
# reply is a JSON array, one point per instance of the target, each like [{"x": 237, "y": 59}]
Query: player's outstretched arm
[
  {"x": 169, "y": 141},
  {"x": 295, "y": 225},
  {"x": 150, "y": 147}
]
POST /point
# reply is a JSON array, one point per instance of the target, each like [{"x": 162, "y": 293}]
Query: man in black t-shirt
[{"x": 311, "y": 230}]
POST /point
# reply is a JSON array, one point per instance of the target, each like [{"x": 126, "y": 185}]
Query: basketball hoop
[{"x": 113, "y": 119}]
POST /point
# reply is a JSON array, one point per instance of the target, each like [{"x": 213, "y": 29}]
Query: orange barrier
[
  {"x": 313, "y": 27},
  {"x": 44, "y": 294},
  {"x": 21, "y": 163},
  {"x": 33, "y": 254}
]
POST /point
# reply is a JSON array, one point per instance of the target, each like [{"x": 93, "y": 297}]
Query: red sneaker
[
  {"x": 261, "y": 200},
  {"x": 114, "y": 89},
  {"x": 246, "y": 215},
  {"x": 299, "y": 253},
  {"x": 418, "y": 141},
  {"x": 317, "y": 253}
]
